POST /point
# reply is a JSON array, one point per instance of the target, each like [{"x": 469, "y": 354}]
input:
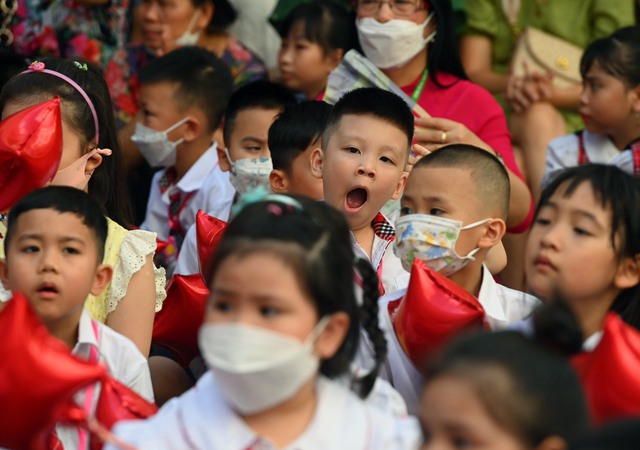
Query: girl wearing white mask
[
  {"x": 282, "y": 320},
  {"x": 91, "y": 161},
  {"x": 414, "y": 44}
]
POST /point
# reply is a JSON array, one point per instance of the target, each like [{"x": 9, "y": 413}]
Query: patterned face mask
[
  {"x": 247, "y": 174},
  {"x": 433, "y": 240}
]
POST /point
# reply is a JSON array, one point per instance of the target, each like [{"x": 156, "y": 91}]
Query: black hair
[
  {"x": 487, "y": 172},
  {"x": 294, "y": 130},
  {"x": 618, "y": 435},
  {"x": 370, "y": 101},
  {"x": 10, "y": 64},
  {"x": 106, "y": 185},
  {"x": 314, "y": 240},
  {"x": 618, "y": 55},
  {"x": 618, "y": 192},
  {"x": 260, "y": 94},
  {"x": 325, "y": 23},
  {"x": 223, "y": 16},
  {"x": 207, "y": 84},
  {"x": 525, "y": 388},
  {"x": 62, "y": 199}
]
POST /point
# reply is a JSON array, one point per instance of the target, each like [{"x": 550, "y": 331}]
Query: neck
[
  {"x": 590, "y": 313},
  {"x": 630, "y": 133},
  {"x": 407, "y": 74},
  {"x": 285, "y": 422},
  {"x": 469, "y": 277},
  {"x": 364, "y": 237},
  {"x": 64, "y": 332},
  {"x": 215, "y": 42},
  {"x": 188, "y": 153}
]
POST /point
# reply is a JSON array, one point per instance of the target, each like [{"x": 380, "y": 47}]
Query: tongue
[{"x": 356, "y": 198}]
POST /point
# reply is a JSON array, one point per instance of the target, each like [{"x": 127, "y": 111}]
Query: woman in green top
[{"x": 539, "y": 112}]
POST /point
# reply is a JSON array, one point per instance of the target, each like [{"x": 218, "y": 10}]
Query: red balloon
[
  {"x": 176, "y": 325},
  {"x": 433, "y": 310},
  {"x": 38, "y": 378},
  {"x": 209, "y": 231},
  {"x": 30, "y": 150},
  {"x": 611, "y": 373},
  {"x": 118, "y": 402}
]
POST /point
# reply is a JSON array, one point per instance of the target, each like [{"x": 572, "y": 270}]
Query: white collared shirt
[
  {"x": 211, "y": 188},
  {"x": 563, "y": 152},
  {"x": 503, "y": 306},
  {"x": 202, "y": 419},
  {"x": 124, "y": 362}
]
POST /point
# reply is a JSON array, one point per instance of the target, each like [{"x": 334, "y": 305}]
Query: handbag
[{"x": 543, "y": 52}]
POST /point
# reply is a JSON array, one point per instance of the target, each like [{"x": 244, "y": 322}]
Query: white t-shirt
[{"x": 202, "y": 419}]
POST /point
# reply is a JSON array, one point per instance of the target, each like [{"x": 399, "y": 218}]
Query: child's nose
[
  {"x": 551, "y": 237},
  {"x": 48, "y": 262},
  {"x": 151, "y": 11},
  {"x": 366, "y": 169}
]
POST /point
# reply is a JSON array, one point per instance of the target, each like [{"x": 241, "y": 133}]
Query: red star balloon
[
  {"x": 209, "y": 232},
  {"x": 38, "y": 378},
  {"x": 611, "y": 373},
  {"x": 433, "y": 310},
  {"x": 30, "y": 150}
]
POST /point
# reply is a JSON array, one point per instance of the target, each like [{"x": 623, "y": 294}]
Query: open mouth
[
  {"x": 356, "y": 198},
  {"x": 48, "y": 290}
]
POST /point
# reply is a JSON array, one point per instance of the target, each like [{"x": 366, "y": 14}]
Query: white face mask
[
  {"x": 248, "y": 174},
  {"x": 256, "y": 368},
  {"x": 392, "y": 43},
  {"x": 76, "y": 174},
  {"x": 433, "y": 240},
  {"x": 155, "y": 145},
  {"x": 190, "y": 37}
]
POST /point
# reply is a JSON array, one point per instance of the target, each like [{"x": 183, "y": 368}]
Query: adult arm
[{"x": 476, "y": 54}]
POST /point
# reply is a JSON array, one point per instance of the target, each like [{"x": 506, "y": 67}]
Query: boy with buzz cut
[
  {"x": 458, "y": 196},
  {"x": 293, "y": 136},
  {"x": 183, "y": 96},
  {"x": 54, "y": 246},
  {"x": 365, "y": 148}
]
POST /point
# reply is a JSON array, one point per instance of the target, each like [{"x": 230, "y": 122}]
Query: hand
[
  {"x": 433, "y": 133},
  {"x": 531, "y": 88},
  {"x": 419, "y": 151}
]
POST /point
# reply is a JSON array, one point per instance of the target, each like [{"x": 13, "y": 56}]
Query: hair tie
[
  {"x": 39, "y": 67},
  {"x": 82, "y": 66}
]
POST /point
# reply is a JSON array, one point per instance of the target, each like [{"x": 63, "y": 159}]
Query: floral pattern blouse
[{"x": 122, "y": 74}]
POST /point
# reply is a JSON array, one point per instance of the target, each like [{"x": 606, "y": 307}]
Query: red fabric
[
  {"x": 38, "y": 378},
  {"x": 433, "y": 310},
  {"x": 611, "y": 373},
  {"x": 30, "y": 150},
  {"x": 176, "y": 325},
  {"x": 209, "y": 231},
  {"x": 473, "y": 106}
]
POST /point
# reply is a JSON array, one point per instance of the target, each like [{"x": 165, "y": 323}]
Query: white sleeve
[{"x": 562, "y": 152}]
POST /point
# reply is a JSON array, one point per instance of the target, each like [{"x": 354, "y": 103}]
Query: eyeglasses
[{"x": 398, "y": 7}]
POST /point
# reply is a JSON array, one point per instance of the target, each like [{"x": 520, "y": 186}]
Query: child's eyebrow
[
  {"x": 253, "y": 139},
  {"x": 589, "y": 216}
]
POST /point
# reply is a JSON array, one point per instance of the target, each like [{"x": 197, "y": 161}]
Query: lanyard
[{"x": 417, "y": 92}]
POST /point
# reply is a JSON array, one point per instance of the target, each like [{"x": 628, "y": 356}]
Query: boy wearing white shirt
[{"x": 54, "y": 247}]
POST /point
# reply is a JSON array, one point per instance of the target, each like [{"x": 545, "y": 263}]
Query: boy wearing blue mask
[
  {"x": 182, "y": 96},
  {"x": 453, "y": 212}
]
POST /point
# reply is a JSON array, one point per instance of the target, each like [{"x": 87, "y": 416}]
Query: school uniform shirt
[
  {"x": 124, "y": 362},
  {"x": 205, "y": 186},
  {"x": 202, "y": 419},
  {"x": 564, "y": 152},
  {"x": 502, "y": 305},
  {"x": 383, "y": 260}
]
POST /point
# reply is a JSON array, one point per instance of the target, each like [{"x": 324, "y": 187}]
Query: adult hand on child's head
[
  {"x": 434, "y": 133},
  {"x": 418, "y": 152}
]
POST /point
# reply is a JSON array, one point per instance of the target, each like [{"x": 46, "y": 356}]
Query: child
[
  {"x": 501, "y": 391},
  {"x": 365, "y": 147},
  {"x": 583, "y": 246},
  {"x": 136, "y": 290},
  {"x": 54, "y": 249},
  {"x": 293, "y": 136},
  {"x": 609, "y": 105},
  {"x": 282, "y": 316},
  {"x": 245, "y": 155},
  {"x": 453, "y": 212},
  {"x": 315, "y": 37},
  {"x": 180, "y": 110}
]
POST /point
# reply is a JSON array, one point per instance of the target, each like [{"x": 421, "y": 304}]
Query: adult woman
[{"x": 540, "y": 111}]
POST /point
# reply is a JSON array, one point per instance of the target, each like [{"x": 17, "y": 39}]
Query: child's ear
[
  {"x": 400, "y": 186},
  {"x": 333, "y": 335},
  {"x": 4, "y": 275},
  {"x": 102, "y": 279},
  {"x": 628, "y": 273},
  {"x": 93, "y": 163},
  {"x": 495, "y": 229},
  {"x": 317, "y": 159},
  {"x": 194, "y": 128},
  {"x": 223, "y": 161},
  {"x": 279, "y": 181}
]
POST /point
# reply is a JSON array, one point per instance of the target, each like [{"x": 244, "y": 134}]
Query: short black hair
[
  {"x": 260, "y": 94},
  {"x": 487, "y": 172},
  {"x": 294, "y": 130},
  {"x": 375, "y": 102},
  {"x": 203, "y": 80},
  {"x": 62, "y": 199}
]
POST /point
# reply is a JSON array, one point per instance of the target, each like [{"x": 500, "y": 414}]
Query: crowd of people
[{"x": 446, "y": 257}]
